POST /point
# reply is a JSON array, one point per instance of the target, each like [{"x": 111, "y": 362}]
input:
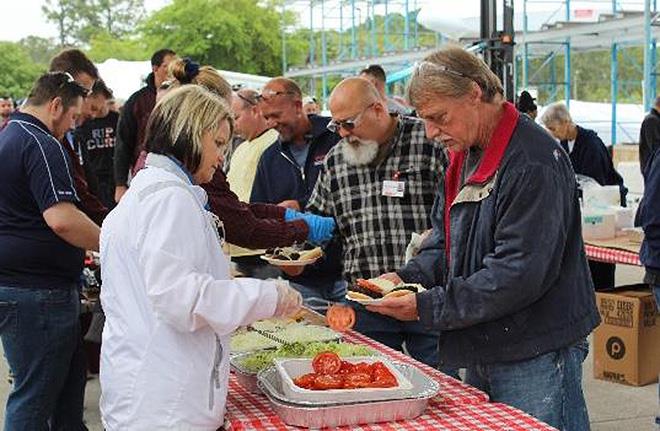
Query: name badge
[{"x": 393, "y": 189}]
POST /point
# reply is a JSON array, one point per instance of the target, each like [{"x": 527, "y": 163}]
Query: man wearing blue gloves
[{"x": 287, "y": 173}]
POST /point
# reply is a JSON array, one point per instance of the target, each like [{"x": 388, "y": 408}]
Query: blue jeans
[
  {"x": 331, "y": 290},
  {"x": 420, "y": 343},
  {"x": 548, "y": 387},
  {"x": 40, "y": 330}
]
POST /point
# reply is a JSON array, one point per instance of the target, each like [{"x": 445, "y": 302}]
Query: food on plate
[
  {"x": 258, "y": 361},
  {"x": 340, "y": 317},
  {"x": 291, "y": 331},
  {"x": 307, "y": 252},
  {"x": 376, "y": 288},
  {"x": 330, "y": 372}
]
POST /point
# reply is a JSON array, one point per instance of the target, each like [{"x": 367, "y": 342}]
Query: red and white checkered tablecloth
[
  {"x": 458, "y": 407},
  {"x": 612, "y": 255},
  {"x": 248, "y": 411},
  {"x": 452, "y": 391}
]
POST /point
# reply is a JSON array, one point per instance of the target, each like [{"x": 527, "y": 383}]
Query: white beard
[{"x": 359, "y": 152}]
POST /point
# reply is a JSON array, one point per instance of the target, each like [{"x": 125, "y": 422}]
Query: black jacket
[
  {"x": 649, "y": 214},
  {"x": 278, "y": 175},
  {"x": 516, "y": 282},
  {"x": 591, "y": 158},
  {"x": 649, "y": 137},
  {"x": 132, "y": 128}
]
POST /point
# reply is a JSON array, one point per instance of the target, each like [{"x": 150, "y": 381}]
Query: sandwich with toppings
[{"x": 376, "y": 288}]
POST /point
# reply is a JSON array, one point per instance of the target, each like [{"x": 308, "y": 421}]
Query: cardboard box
[{"x": 627, "y": 342}]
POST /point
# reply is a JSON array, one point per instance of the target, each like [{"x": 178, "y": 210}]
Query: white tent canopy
[{"x": 126, "y": 77}]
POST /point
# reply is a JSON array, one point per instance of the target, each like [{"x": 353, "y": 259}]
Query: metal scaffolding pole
[
  {"x": 312, "y": 47},
  {"x": 614, "y": 75},
  {"x": 525, "y": 59},
  {"x": 373, "y": 48},
  {"x": 324, "y": 56},
  {"x": 567, "y": 60},
  {"x": 647, "y": 91},
  {"x": 406, "y": 29},
  {"x": 284, "y": 65},
  {"x": 353, "y": 35}
]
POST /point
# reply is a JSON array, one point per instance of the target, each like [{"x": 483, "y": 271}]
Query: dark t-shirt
[
  {"x": 34, "y": 175},
  {"x": 96, "y": 140}
]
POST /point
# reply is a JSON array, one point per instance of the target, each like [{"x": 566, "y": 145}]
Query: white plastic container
[
  {"x": 598, "y": 223},
  {"x": 289, "y": 369}
]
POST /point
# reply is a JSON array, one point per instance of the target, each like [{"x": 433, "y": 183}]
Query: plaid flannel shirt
[{"x": 375, "y": 229}]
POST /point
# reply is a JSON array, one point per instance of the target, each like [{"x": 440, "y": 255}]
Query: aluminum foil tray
[
  {"x": 423, "y": 387},
  {"x": 314, "y": 415}
]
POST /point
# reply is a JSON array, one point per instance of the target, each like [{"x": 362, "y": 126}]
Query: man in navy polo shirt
[{"x": 43, "y": 236}]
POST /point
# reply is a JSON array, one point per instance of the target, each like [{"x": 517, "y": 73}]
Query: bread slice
[
  {"x": 351, "y": 294},
  {"x": 314, "y": 253}
]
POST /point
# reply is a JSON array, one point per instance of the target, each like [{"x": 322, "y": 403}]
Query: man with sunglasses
[
  {"x": 379, "y": 184},
  {"x": 288, "y": 170},
  {"x": 44, "y": 237}
]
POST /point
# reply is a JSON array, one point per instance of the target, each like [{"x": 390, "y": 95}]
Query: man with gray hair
[
  {"x": 589, "y": 157},
  {"x": 513, "y": 299}
]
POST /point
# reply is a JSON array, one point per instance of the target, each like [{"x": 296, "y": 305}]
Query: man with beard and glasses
[{"x": 379, "y": 184}]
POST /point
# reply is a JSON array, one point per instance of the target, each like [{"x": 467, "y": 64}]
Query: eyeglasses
[
  {"x": 348, "y": 124},
  {"x": 269, "y": 94},
  {"x": 247, "y": 99},
  {"x": 165, "y": 85},
  {"x": 421, "y": 65}
]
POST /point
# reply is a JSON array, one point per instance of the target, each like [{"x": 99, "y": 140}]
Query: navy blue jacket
[
  {"x": 279, "y": 177},
  {"x": 591, "y": 158},
  {"x": 649, "y": 212},
  {"x": 516, "y": 283}
]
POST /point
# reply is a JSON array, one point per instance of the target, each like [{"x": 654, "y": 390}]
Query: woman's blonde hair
[
  {"x": 180, "y": 119},
  {"x": 186, "y": 71},
  {"x": 450, "y": 72}
]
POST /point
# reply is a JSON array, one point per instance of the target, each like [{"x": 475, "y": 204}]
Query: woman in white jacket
[{"x": 169, "y": 300}]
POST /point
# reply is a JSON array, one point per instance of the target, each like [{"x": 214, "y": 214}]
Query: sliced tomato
[
  {"x": 346, "y": 367},
  {"x": 357, "y": 380},
  {"x": 369, "y": 285},
  {"x": 362, "y": 367},
  {"x": 326, "y": 363},
  {"x": 384, "y": 383},
  {"x": 305, "y": 381},
  {"x": 340, "y": 318},
  {"x": 380, "y": 371},
  {"x": 328, "y": 381}
]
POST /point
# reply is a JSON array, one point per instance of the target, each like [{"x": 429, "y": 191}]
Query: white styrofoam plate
[
  {"x": 290, "y": 368},
  {"x": 280, "y": 262}
]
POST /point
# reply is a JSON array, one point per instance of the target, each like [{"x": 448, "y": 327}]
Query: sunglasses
[
  {"x": 247, "y": 99},
  {"x": 69, "y": 80},
  {"x": 270, "y": 94},
  {"x": 348, "y": 124},
  {"x": 421, "y": 65}
]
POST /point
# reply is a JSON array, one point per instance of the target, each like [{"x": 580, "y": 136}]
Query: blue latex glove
[
  {"x": 320, "y": 228},
  {"x": 291, "y": 214}
]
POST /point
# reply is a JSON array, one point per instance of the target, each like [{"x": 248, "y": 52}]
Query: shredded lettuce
[{"x": 260, "y": 360}]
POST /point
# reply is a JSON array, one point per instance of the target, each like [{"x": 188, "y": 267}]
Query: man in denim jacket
[{"x": 514, "y": 300}]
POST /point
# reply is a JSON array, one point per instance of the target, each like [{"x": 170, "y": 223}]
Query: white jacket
[{"x": 170, "y": 306}]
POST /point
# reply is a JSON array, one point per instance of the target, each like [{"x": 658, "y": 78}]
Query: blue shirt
[{"x": 34, "y": 175}]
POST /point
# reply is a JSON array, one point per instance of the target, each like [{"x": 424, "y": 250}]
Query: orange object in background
[{"x": 340, "y": 317}]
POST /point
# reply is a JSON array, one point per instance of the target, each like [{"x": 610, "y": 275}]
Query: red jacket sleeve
[{"x": 251, "y": 225}]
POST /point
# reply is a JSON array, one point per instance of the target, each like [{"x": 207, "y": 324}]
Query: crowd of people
[{"x": 170, "y": 199}]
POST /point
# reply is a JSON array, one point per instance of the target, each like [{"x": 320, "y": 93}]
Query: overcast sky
[{"x": 22, "y": 18}]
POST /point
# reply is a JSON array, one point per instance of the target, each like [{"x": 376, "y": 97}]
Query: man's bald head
[
  {"x": 353, "y": 93},
  {"x": 281, "y": 86}
]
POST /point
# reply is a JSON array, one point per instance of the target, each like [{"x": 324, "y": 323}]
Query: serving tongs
[{"x": 268, "y": 335}]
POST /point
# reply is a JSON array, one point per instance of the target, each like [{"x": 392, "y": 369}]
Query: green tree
[
  {"x": 66, "y": 15},
  {"x": 40, "y": 49},
  {"x": 103, "y": 46},
  {"x": 17, "y": 70},
  {"x": 242, "y": 35}
]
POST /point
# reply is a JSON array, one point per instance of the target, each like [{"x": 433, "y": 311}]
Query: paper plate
[
  {"x": 280, "y": 262},
  {"x": 364, "y": 301}
]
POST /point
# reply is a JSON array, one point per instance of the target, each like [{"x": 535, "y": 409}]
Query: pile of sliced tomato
[{"x": 330, "y": 372}]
